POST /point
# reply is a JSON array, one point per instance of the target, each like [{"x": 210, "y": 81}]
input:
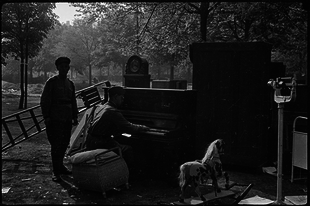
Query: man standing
[{"x": 59, "y": 109}]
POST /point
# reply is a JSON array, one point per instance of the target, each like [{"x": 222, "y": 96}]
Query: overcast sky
[{"x": 65, "y": 12}]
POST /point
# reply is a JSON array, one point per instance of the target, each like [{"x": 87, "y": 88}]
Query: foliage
[
  {"x": 141, "y": 29},
  {"x": 108, "y": 33},
  {"x": 79, "y": 42},
  {"x": 45, "y": 60},
  {"x": 283, "y": 25},
  {"x": 23, "y": 28},
  {"x": 165, "y": 29},
  {"x": 25, "y": 21}
]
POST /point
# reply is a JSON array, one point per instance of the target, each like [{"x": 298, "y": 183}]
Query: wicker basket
[{"x": 101, "y": 175}]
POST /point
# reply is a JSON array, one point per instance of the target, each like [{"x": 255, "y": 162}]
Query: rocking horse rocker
[{"x": 197, "y": 172}]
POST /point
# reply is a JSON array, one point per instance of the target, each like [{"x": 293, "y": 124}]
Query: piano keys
[
  {"x": 151, "y": 131},
  {"x": 156, "y": 132}
]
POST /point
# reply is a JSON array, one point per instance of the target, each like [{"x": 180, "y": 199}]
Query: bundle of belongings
[{"x": 96, "y": 170}]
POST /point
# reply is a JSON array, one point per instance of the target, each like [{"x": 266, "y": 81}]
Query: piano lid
[{"x": 152, "y": 119}]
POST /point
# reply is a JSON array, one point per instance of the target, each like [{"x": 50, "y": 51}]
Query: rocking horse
[{"x": 196, "y": 172}]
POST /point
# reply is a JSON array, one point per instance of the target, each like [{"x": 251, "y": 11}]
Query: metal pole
[
  {"x": 280, "y": 99},
  {"x": 280, "y": 147}
]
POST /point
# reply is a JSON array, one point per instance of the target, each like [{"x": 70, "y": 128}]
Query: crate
[{"x": 104, "y": 172}]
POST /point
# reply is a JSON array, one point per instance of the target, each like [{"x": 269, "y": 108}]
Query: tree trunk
[
  {"x": 172, "y": 67},
  {"x": 171, "y": 72},
  {"x": 100, "y": 73},
  {"x": 204, "y": 6},
  {"x": 45, "y": 76},
  {"x": 89, "y": 74},
  {"x": 189, "y": 74},
  {"x": 159, "y": 71},
  {"x": 71, "y": 72},
  {"x": 21, "y": 100},
  {"x": 26, "y": 74},
  {"x": 108, "y": 73},
  {"x": 30, "y": 73}
]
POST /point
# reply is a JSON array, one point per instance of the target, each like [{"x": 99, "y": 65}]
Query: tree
[
  {"x": 24, "y": 26},
  {"x": 116, "y": 40},
  {"x": 79, "y": 42},
  {"x": 167, "y": 28},
  {"x": 281, "y": 24},
  {"x": 45, "y": 60},
  {"x": 159, "y": 31}
]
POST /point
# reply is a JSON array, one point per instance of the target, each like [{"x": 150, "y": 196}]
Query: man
[
  {"x": 109, "y": 122},
  {"x": 59, "y": 109}
]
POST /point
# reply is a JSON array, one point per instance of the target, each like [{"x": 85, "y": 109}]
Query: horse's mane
[{"x": 211, "y": 150}]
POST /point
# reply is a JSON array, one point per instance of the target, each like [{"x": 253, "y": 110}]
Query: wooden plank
[
  {"x": 208, "y": 197},
  {"x": 91, "y": 97},
  {"x": 8, "y": 131},
  {"x": 297, "y": 200},
  {"x": 34, "y": 118},
  {"x": 21, "y": 125}
]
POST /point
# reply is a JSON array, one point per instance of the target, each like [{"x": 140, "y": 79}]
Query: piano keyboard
[
  {"x": 158, "y": 130},
  {"x": 151, "y": 131}
]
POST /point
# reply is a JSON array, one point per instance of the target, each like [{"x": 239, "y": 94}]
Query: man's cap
[
  {"x": 62, "y": 60},
  {"x": 116, "y": 90}
]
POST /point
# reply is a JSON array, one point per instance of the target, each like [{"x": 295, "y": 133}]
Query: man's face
[
  {"x": 63, "y": 69},
  {"x": 119, "y": 99}
]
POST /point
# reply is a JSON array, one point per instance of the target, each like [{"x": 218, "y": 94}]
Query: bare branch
[
  {"x": 144, "y": 28},
  {"x": 214, "y": 6},
  {"x": 195, "y": 11}
]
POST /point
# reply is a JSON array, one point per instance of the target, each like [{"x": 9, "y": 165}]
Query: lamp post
[{"x": 280, "y": 99}]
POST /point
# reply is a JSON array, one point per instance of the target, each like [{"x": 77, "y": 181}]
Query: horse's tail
[{"x": 182, "y": 175}]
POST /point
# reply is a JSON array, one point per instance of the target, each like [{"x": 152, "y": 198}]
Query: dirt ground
[{"x": 26, "y": 176}]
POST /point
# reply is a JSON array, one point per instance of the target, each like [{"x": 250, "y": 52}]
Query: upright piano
[{"x": 170, "y": 113}]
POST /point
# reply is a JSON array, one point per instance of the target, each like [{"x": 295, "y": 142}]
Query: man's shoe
[{"x": 56, "y": 178}]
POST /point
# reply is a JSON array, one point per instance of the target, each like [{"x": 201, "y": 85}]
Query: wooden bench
[{"x": 90, "y": 97}]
